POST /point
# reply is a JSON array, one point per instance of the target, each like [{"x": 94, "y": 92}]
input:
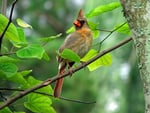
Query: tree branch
[
  {"x": 110, "y": 33},
  {"x": 139, "y": 23},
  {"x": 113, "y": 31},
  {"x": 53, "y": 79},
  {"x": 50, "y": 95},
  {"x": 9, "y": 22}
]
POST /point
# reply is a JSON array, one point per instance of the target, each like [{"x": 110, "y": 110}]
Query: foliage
[
  {"x": 105, "y": 60},
  {"x": 103, "y": 8},
  {"x": 24, "y": 50},
  {"x": 10, "y": 71},
  {"x": 70, "y": 55}
]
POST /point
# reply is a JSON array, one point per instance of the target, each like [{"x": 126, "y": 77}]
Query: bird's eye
[
  {"x": 82, "y": 22},
  {"x": 79, "y": 23}
]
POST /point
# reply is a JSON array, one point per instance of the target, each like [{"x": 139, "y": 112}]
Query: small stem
[
  {"x": 62, "y": 98},
  {"x": 110, "y": 34},
  {"x": 10, "y": 19},
  {"x": 103, "y": 30}
]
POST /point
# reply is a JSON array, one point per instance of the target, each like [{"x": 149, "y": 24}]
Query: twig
[
  {"x": 4, "y": 6},
  {"x": 9, "y": 22},
  {"x": 104, "y": 30},
  {"x": 51, "y": 80},
  {"x": 7, "y": 54},
  {"x": 110, "y": 34},
  {"x": 113, "y": 31},
  {"x": 78, "y": 101},
  {"x": 62, "y": 98},
  {"x": 3, "y": 98}
]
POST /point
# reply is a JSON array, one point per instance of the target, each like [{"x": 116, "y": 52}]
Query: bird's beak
[{"x": 77, "y": 23}]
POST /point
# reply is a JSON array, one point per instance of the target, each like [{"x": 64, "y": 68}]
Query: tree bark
[{"x": 137, "y": 14}]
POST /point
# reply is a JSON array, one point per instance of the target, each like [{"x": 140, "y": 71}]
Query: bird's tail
[{"x": 59, "y": 83}]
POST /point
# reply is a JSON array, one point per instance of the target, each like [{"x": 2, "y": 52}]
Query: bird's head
[{"x": 80, "y": 21}]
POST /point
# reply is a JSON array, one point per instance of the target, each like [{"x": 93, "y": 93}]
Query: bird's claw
[{"x": 70, "y": 72}]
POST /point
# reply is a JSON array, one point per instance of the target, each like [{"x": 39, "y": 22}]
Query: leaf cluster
[{"x": 23, "y": 50}]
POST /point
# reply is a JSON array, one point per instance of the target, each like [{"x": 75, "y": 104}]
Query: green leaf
[
  {"x": 70, "y": 55},
  {"x": 124, "y": 29},
  {"x": 22, "y": 38},
  {"x": 25, "y": 72},
  {"x": 103, "y": 8},
  {"x": 89, "y": 55},
  {"x": 36, "y": 102},
  {"x": 7, "y": 69},
  {"x": 6, "y": 110},
  {"x": 19, "y": 78},
  {"x": 93, "y": 27},
  {"x": 47, "y": 39},
  {"x": 11, "y": 33},
  {"x": 39, "y": 104},
  {"x": 96, "y": 33},
  {"x": 6, "y": 59},
  {"x": 7, "y": 66},
  {"x": 32, "y": 82},
  {"x": 31, "y": 51},
  {"x": 105, "y": 60},
  {"x": 70, "y": 30},
  {"x": 23, "y": 23},
  {"x": 46, "y": 57}
]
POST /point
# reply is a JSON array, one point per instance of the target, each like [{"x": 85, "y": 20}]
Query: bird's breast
[
  {"x": 86, "y": 41},
  {"x": 87, "y": 35}
]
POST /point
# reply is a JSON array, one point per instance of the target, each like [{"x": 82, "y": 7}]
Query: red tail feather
[{"x": 59, "y": 84}]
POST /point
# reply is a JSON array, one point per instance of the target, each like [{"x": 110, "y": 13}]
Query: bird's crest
[{"x": 80, "y": 14}]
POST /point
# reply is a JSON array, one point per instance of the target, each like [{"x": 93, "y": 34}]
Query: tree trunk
[{"x": 137, "y": 14}]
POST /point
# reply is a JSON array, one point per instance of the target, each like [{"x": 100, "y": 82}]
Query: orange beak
[{"x": 77, "y": 23}]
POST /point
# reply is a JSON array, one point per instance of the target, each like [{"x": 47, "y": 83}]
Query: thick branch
[
  {"x": 51, "y": 80},
  {"x": 138, "y": 16}
]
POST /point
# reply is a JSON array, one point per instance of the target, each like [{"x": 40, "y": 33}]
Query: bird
[{"x": 80, "y": 42}]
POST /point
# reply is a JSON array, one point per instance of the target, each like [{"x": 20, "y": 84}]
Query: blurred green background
[{"x": 116, "y": 89}]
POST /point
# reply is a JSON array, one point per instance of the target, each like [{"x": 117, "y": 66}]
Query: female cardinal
[{"x": 79, "y": 41}]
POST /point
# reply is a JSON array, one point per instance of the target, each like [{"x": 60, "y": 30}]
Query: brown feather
[
  {"x": 79, "y": 41},
  {"x": 59, "y": 83}
]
